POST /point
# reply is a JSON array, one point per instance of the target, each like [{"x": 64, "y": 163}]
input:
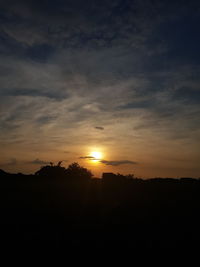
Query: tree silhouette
[
  {"x": 59, "y": 163},
  {"x": 75, "y": 171},
  {"x": 52, "y": 170}
]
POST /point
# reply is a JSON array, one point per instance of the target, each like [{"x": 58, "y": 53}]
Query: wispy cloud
[
  {"x": 87, "y": 157},
  {"x": 99, "y": 128},
  {"x": 118, "y": 162},
  {"x": 110, "y": 162},
  {"x": 42, "y": 162},
  {"x": 38, "y": 162}
]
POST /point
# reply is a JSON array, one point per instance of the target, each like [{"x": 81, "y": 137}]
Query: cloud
[
  {"x": 109, "y": 162},
  {"x": 99, "y": 128},
  {"x": 42, "y": 92},
  {"x": 117, "y": 162},
  {"x": 74, "y": 25},
  {"x": 38, "y": 162},
  {"x": 65, "y": 68},
  {"x": 87, "y": 157}
]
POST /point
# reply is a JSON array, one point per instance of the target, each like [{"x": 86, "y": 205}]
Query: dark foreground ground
[{"x": 130, "y": 214}]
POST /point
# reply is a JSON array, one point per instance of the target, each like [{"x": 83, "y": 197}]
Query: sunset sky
[{"x": 120, "y": 78}]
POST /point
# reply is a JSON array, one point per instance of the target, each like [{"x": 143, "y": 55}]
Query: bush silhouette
[
  {"x": 74, "y": 171},
  {"x": 52, "y": 170}
]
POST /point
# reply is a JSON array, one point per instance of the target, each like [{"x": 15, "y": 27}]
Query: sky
[{"x": 121, "y": 78}]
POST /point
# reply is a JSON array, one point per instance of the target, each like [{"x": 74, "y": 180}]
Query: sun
[{"x": 96, "y": 155}]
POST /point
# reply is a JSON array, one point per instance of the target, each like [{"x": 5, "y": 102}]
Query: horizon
[
  {"x": 100, "y": 177},
  {"x": 112, "y": 85}
]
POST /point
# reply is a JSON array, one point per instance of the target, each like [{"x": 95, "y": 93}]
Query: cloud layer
[{"x": 131, "y": 66}]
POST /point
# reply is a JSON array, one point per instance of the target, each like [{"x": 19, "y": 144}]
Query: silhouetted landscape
[{"x": 61, "y": 207}]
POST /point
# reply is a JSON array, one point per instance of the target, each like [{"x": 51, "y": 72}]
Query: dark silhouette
[
  {"x": 112, "y": 177},
  {"x": 74, "y": 171},
  {"x": 52, "y": 170},
  {"x": 77, "y": 172},
  {"x": 66, "y": 207}
]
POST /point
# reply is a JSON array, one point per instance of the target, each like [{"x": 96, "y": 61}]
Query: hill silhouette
[{"x": 66, "y": 207}]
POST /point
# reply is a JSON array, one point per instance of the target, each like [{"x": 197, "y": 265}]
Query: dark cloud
[
  {"x": 99, "y": 128},
  {"x": 87, "y": 157},
  {"x": 32, "y": 92},
  {"x": 38, "y": 162},
  {"x": 76, "y": 23},
  {"x": 42, "y": 162},
  {"x": 109, "y": 162},
  {"x": 37, "y": 29},
  {"x": 117, "y": 162}
]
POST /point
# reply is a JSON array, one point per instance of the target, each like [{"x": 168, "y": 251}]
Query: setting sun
[{"x": 96, "y": 155}]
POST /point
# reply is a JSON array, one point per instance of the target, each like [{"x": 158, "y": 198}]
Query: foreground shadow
[{"x": 68, "y": 208}]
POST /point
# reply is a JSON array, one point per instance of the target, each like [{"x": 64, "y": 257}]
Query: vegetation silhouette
[
  {"x": 67, "y": 207},
  {"x": 51, "y": 170},
  {"x": 74, "y": 171}
]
